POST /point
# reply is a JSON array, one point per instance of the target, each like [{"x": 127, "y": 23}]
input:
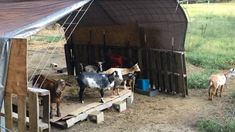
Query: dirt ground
[{"x": 162, "y": 113}]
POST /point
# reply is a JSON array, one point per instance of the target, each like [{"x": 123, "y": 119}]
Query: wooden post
[
  {"x": 33, "y": 112},
  {"x": 69, "y": 58},
  {"x": 17, "y": 83},
  {"x": 22, "y": 113},
  {"x": 8, "y": 111},
  {"x": 182, "y": 81}
]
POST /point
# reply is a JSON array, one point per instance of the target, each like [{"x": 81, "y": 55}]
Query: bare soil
[{"x": 162, "y": 113}]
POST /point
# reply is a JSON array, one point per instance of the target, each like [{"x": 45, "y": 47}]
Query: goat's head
[
  {"x": 136, "y": 68},
  {"x": 117, "y": 76},
  {"x": 230, "y": 73},
  {"x": 61, "y": 86}
]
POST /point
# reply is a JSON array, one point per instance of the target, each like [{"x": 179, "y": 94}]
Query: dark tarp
[{"x": 165, "y": 16}]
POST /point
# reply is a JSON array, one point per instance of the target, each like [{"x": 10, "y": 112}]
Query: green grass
[
  {"x": 213, "y": 126},
  {"x": 48, "y": 39},
  {"x": 210, "y": 40},
  {"x": 199, "y": 79}
]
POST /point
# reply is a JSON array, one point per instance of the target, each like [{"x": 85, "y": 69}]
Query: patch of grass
[
  {"x": 208, "y": 126},
  {"x": 214, "y": 126},
  {"x": 48, "y": 39},
  {"x": 210, "y": 39},
  {"x": 199, "y": 79}
]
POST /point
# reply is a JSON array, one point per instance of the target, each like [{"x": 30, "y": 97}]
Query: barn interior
[{"x": 123, "y": 33}]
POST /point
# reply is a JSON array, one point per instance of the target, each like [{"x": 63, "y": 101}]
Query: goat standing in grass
[{"x": 217, "y": 83}]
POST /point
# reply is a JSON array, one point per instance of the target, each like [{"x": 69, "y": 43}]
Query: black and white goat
[{"x": 98, "y": 81}]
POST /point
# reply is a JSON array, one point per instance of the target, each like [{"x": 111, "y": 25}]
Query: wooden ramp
[{"x": 72, "y": 111}]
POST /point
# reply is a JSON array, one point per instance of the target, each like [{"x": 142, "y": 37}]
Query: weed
[
  {"x": 213, "y": 126},
  {"x": 199, "y": 79},
  {"x": 209, "y": 40},
  {"x": 208, "y": 126}
]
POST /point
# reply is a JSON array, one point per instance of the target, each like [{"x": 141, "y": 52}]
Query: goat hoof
[
  {"x": 102, "y": 101},
  {"x": 82, "y": 102},
  {"x": 210, "y": 99}
]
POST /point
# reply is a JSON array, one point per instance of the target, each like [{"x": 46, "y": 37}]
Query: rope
[
  {"x": 44, "y": 54},
  {"x": 53, "y": 50},
  {"x": 68, "y": 36}
]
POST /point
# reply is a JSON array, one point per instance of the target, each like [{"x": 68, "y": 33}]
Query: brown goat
[
  {"x": 54, "y": 86},
  {"x": 217, "y": 83}
]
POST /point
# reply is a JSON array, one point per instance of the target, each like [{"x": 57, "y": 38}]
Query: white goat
[
  {"x": 217, "y": 83},
  {"x": 92, "y": 68}
]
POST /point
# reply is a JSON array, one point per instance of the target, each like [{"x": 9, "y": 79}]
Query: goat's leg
[
  {"x": 58, "y": 109},
  {"x": 216, "y": 93},
  {"x": 221, "y": 90},
  {"x": 102, "y": 95},
  {"x": 51, "y": 111},
  {"x": 133, "y": 85},
  {"x": 213, "y": 92},
  {"x": 210, "y": 93},
  {"x": 125, "y": 84},
  {"x": 114, "y": 88},
  {"x": 117, "y": 91},
  {"x": 81, "y": 92}
]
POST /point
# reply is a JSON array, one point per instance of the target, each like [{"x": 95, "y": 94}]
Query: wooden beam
[
  {"x": 33, "y": 112},
  {"x": 8, "y": 111},
  {"x": 21, "y": 113},
  {"x": 17, "y": 72}
]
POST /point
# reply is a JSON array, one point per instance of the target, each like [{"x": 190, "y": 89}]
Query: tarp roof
[{"x": 20, "y": 19}]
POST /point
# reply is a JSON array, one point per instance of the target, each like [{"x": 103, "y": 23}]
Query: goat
[
  {"x": 130, "y": 77},
  {"x": 54, "y": 86},
  {"x": 125, "y": 72},
  {"x": 217, "y": 83},
  {"x": 97, "y": 80},
  {"x": 92, "y": 68}
]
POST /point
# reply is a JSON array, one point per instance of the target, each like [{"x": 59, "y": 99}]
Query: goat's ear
[
  {"x": 114, "y": 73},
  {"x": 232, "y": 70}
]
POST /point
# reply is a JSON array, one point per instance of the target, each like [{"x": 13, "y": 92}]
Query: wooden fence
[
  {"x": 165, "y": 68},
  {"x": 17, "y": 89}
]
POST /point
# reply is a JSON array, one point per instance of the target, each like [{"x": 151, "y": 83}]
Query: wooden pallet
[{"x": 79, "y": 112}]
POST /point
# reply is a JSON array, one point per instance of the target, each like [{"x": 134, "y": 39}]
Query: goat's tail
[{"x": 211, "y": 84}]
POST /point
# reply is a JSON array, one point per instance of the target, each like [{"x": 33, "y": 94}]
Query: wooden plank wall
[{"x": 169, "y": 71}]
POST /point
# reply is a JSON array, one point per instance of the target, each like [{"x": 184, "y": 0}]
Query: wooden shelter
[{"x": 150, "y": 32}]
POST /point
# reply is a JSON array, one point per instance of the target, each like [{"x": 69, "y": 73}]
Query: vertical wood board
[{"x": 17, "y": 72}]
